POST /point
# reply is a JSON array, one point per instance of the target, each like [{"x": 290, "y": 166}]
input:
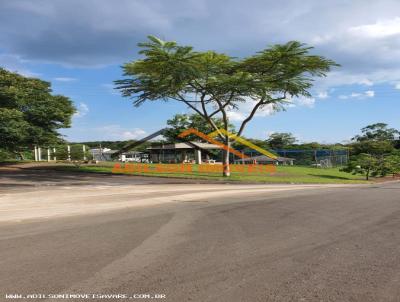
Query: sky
[{"x": 79, "y": 46}]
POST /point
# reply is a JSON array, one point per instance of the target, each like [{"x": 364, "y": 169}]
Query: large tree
[
  {"x": 376, "y": 139},
  {"x": 29, "y": 112},
  {"x": 281, "y": 140},
  {"x": 365, "y": 164},
  {"x": 213, "y": 83}
]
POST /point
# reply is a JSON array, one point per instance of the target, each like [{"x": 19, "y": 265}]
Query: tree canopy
[
  {"x": 374, "y": 152},
  {"x": 281, "y": 140},
  {"x": 180, "y": 122},
  {"x": 30, "y": 113},
  {"x": 377, "y": 132},
  {"x": 212, "y": 83},
  {"x": 365, "y": 164},
  {"x": 375, "y": 139}
]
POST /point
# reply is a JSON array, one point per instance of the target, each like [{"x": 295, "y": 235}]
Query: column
[
  {"x": 39, "y": 154},
  {"x": 197, "y": 156}
]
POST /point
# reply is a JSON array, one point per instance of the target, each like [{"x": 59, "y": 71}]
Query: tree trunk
[
  {"x": 367, "y": 174},
  {"x": 225, "y": 160}
]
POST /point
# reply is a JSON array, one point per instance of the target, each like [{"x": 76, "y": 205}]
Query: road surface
[{"x": 227, "y": 243}]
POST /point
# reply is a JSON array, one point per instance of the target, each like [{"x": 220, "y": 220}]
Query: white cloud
[
  {"x": 64, "y": 79},
  {"x": 135, "y": 133},
  {"x": 82, "y": 133},
  {"x": 14, "y": 63},
  {"x": 365, "y": 82},
  {"x": 236, "y": 116},
  {"x": 322, "y": 95},
  {"x": 116, "y": 132},
  {"x": 82, "y": 110},
  {"x": 245, "y": 108},
  {"x": 338, "y": 78},
  {"x": 266, "y": 110},
  {"x": 307, "y": 102},
  {"x": 358, "y": 95},
  {"x": 380, "y": 29},
  {"x": 397, "y": 86},
  {"x": 302, "y": 101},
  {"x": 370, "y": 93}
]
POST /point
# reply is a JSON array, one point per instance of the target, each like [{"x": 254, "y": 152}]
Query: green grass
[{"x": 284, "y": 174}]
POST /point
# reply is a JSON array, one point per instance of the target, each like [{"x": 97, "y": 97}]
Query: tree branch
[
  {"x": 208, "y": 118},
  {"x": 182, "y": 99},
  {"x": 254, "y": 110}
]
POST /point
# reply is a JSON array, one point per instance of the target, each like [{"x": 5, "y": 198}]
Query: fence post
[
  {"x": 39, "y": 154},
  {"x": 48, "y": 154},
  {"x": 69, "y": 152},
  {"x": 54, "y": 154},
  {"x": 35, "y": 151},
  {"x": 84, "y": 152}
]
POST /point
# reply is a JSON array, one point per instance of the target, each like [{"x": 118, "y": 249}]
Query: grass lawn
[{"x": 283, "y": 174}]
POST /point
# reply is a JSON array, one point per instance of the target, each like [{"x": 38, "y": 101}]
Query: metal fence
[{"x": 324, "y": 158}]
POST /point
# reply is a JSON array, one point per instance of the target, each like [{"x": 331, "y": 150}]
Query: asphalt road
[
  {"x": 17, "y": 179},
  {"x": 322, "y": 244}
]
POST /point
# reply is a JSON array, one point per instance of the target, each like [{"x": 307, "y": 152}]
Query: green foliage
[
  {"x": 280, "y": 140},
  {"x": 393, "y": 163},
  {"x": 373, "y": 165},
  {"x": 169, "y": 71},
  {"x": 375, "y": 139},
  {"x": 364, "y": 164},
  {"x": 372, "y": 147},
  {"x": 377, "y": 132},
  {"x": 374, "y": 151},
  {"x": 75, "y": 156},
  {"x": 181, "y": 122},
  {"x": 29, "y": 113},
  {"x": 285, "y": 174},
  {"x": 5, "y": 155},
  {"x": 13, "y": 128},
  {"x": 76, "y": 152}
]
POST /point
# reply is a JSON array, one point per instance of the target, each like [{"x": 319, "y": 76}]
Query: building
[
  {"x": 195, "y": 152},
  {"x": 134, "y": 156},
  {"x": 105, "y": 154},
  {"x": 265, "y": 160},
  {"x": 101, "y": 154}
]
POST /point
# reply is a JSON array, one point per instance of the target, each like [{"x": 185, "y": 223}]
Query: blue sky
[{"x": 80, "y": 45}]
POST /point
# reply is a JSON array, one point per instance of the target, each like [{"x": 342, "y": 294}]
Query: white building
[{"x": 105, "y": 154}]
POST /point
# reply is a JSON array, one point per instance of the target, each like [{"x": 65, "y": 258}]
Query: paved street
[{"x": 199, "y": 242}]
